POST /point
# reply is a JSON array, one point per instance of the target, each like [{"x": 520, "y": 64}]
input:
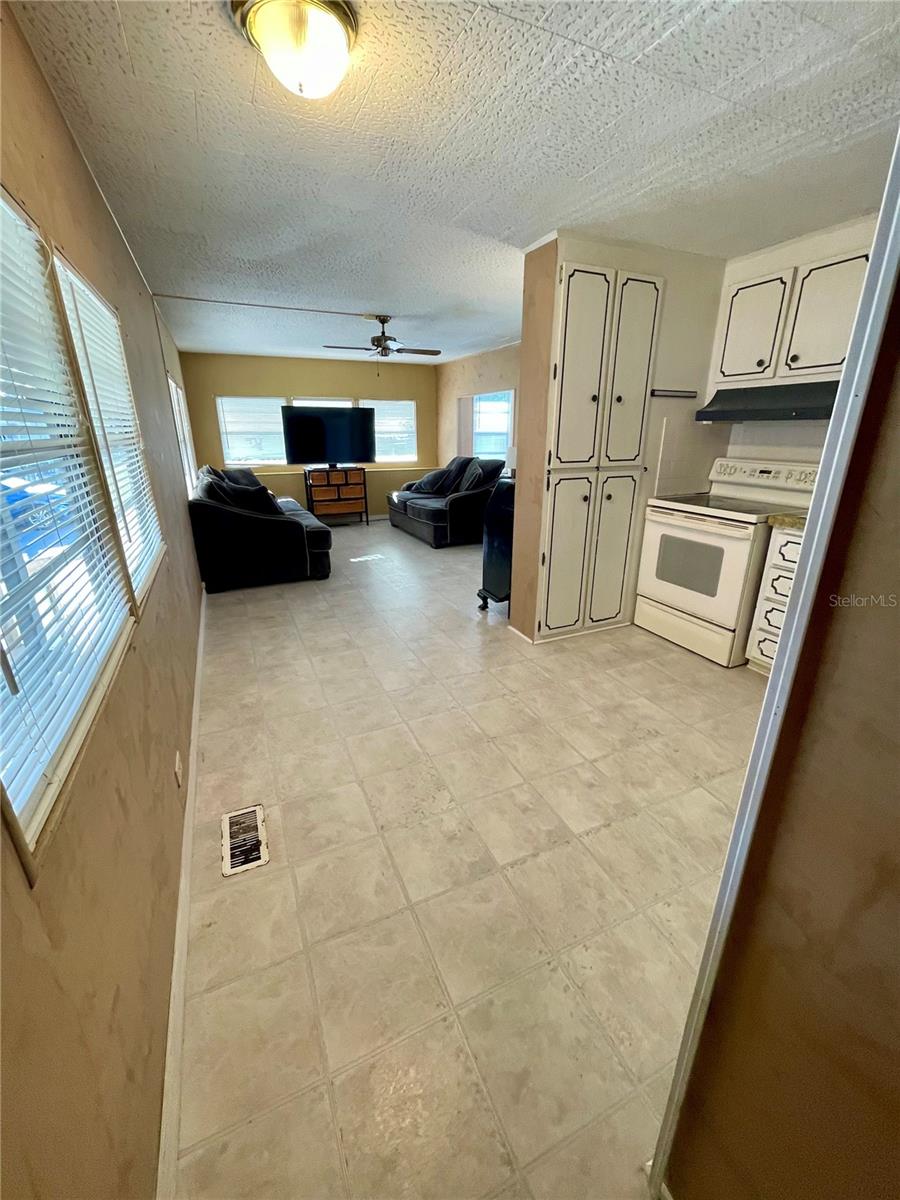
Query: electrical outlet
[{"x": 179, "y": 773}]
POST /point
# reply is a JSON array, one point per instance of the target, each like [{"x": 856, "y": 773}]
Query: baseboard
[{"x": 167, "y": 1167}]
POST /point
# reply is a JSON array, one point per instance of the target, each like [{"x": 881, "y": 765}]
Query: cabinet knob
[
  {"x": 609, "y": 496},
  {"x": 618, "y": 399},
  {"x": 585, "y": 499},
  {"x": 594, "y": 399},
  {"x": 793, "y": 358},
  {"x": 760, "y": 362}
]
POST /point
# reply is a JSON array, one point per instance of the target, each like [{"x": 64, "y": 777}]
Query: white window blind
[
  {"x": 395, "y": 430},
  {"x": 492, "y": 424},
  {"x": 183, "y": 433},
  {"x": 321, "y": 402},
  {"x": 63, "y": 596},
  {"x": 101, "y": 357},
  {"x": 251, "y": 429}
]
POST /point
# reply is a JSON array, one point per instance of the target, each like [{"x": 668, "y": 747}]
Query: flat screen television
[{"x": 328, "y": 435}]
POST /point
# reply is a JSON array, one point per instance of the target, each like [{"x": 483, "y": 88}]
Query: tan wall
[
  {"x": 795, "y": 1091},
  {"x": 87, "y": 954},
  {"x": 209, "y": 375},
  {"x": 494, "y": 371}
]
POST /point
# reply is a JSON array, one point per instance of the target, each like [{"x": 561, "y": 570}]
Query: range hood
[{"x": 777, "y": 402}]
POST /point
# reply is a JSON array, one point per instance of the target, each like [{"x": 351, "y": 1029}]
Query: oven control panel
[{"x": 795, "y": 477}]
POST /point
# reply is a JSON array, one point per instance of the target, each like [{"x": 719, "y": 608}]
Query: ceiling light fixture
[{"x": 306, "y": 43}]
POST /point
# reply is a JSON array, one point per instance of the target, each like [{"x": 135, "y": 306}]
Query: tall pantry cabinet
[{"x": 605, "y": 330}]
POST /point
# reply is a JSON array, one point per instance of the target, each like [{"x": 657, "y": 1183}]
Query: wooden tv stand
[{"x": 337, "y": 491}]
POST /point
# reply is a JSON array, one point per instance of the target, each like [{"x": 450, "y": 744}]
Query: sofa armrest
[{"x": 476, "y": 496}]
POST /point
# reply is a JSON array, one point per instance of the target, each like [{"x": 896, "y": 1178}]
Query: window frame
[
  {"x": 46, "y": 807},
  {"x": 511, "y": 429},
  {"x": 183, "y": 432},
  {"x": 139, "y": 591},
  {"x": 284, "y": 467}
]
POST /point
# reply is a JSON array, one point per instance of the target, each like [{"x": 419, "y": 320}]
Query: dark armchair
[{"x": 446, "y": 507}]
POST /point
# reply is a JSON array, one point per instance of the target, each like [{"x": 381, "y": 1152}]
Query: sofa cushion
[
  {"x": 430, "y": 483},
  {"x": 432, "y": 509},
  {"x": 232, "y": 495},
  {"x": 453, "y": 473},
  {"x": 491, "y": 470},
  {"x": 472, "y": 477},
  {"x": 288, "y": 504},
  {"x": 242, "y": 476}
]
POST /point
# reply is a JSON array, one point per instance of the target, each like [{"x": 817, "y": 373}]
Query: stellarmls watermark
[{"x": 861, "y": 600}]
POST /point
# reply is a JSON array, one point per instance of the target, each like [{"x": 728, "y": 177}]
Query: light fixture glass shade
[{"x": 306, "y": 47}]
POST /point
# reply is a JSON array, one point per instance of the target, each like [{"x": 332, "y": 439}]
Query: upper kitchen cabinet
[
  {"x": 580, "y": 369},
  {"x": 755, "y": 312},
  {"x": 821, "y": 315},
  {"x": 633, "y": 344}
]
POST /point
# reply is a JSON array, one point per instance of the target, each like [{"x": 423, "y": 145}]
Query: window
[
  {"x": 492, "y": 424},
  {"x": 251, "y": 429},
  {"x": 101, "y": 357},
  {"x": 320, "y": 402},
  {"x": 395, "y": 429},
  {"x": 183, "y": 433},
  {"x": 64, "y": 603}
]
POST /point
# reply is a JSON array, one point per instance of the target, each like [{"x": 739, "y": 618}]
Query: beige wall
[
  {"x": 794, "y": 1091},
  {"x": 494, "y": 371},
  {"x": 87, "y": 953},
  {"x": 209, "y": 375}
]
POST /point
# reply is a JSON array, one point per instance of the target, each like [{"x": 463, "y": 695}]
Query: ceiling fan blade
[
  {"x": 411, "y": 350},
  {"x": 327, "y": 347}
]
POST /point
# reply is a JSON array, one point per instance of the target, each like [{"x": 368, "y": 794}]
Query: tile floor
[{"x": 465, "y": 969}]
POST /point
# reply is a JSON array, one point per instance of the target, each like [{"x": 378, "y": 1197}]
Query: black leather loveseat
[
  {"x": 244, "y": 537},
  {"x": 446, "y": 507}
]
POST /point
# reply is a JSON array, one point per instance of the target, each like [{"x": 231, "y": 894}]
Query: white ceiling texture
[{"x": 462, "y": 133}]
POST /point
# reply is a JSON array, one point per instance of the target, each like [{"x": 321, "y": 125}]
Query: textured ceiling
[{"x": 462, "y": 133}]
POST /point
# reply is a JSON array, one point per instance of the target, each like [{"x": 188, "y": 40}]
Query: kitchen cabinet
[
  {"x": 755, "y": 312},
  {"x": 586, "y": 318},
  {"x": 615, "y": 503},
  {"x": 633, "y": 343},
  {"x": 774, "y": 593},
  {"x": 821, "y": 315},
  {"x": 565, "y": 558}
]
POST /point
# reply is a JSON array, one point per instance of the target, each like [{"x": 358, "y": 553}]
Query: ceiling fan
[{"x": 383, "y": 345}]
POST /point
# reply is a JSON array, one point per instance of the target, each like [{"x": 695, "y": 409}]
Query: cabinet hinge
[
  {"x": 560, "y": 274},
  {"x": 554, "y": 370},
  {"x": 539, "y": 627},
  {"x": 548, "y": 483},
  {"x": 549, "y": 452},
  {"x": 543, "y": 557}
]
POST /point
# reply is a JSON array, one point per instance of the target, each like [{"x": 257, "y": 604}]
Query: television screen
[{"x": 328, "y": 435}]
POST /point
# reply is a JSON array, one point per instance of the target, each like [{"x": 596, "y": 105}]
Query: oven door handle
[{"x": 661, "y": 516}]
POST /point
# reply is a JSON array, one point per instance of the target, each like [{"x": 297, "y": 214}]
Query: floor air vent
[{"x": 244, "y": 842}]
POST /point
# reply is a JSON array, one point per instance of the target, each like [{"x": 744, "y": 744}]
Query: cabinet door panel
[
  {"x": 615, "y": 513},
  {"x": 755, "y": 316},
  {"x": 567, "y": 545},
  {"x": 632, "y": 354},
  {"x": 822, "y": 315},
  {"x": 586, "y": 316}
]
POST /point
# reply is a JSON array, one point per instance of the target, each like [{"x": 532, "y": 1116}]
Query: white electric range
[{"x": 702, "y": 555}]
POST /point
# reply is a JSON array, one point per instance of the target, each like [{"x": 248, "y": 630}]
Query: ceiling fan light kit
[
  {"x": 306, "y": 43},
  {"x": 382, "y": 344}
]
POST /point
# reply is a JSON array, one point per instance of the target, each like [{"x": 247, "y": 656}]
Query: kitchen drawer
[
  {"x": 784, "y": 548},
  {"x": 318, "y": 476},
  {"x": 356, "y": 476},
  {"x": 770, "y": 618},
  {"x": 340, "y": 506},
  {"x": 324, "y": 493},
  {"x": 777, "y": 584},
  {"x": 762, "y": 646},
  {"x": 352, "y": 491}
]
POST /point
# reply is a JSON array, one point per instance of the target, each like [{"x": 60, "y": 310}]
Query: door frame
[{"x": 865, "y": 344}]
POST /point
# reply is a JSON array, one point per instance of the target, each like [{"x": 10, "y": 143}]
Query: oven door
[{"x": 697, "y": 564}]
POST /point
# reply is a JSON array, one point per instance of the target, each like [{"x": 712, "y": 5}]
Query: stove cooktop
[{"x": 708, "y": 501}]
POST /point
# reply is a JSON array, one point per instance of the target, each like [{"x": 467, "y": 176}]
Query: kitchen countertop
[{"x": 791, "y": 520}]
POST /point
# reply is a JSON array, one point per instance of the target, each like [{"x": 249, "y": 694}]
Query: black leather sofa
[
  {"x": 446, "y": 507},
  {"x": 245, "y": 537}
]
